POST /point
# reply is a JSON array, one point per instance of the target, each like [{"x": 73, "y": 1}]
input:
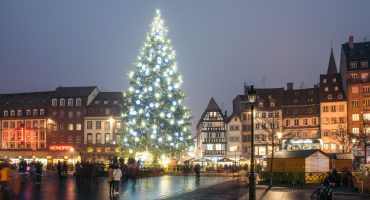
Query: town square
[{"x": 159, "y": 99}]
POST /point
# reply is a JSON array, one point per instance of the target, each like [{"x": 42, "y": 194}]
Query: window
[
  {"x": 326, "y": 109},
  {"x": 262, "y": 150},
  {"x": 42, "y": 112},
  {"x": 336, "y": 88},
  {"x": 12, "y": 125},
  {"x": 334, "y": 80},
  {"x": 364, "y": 76},
  {"x": 326, "y": 89},
  {"x": 341, "y": 108},
  {"x": 354, "y": 77},
  {"x": 6, "y": 113},
  {"x": 305, "y": 122},
  {"x": 209, "y": 147},
  {"x": 118, "y": 125},
  {"x": 78, "y": 126},
  {"x": 355, "y": 90},
  {"x": 89, "y": 138},
  {"x": 340, "y": 96},
  {"x": 314, "y": 121},
  {"x": 366, "y": 89},
  {"x": 309, "y": 110},
  {"x": 296, "y": 122},
  {"x": 98, "y": 124},
  {"x": 354, "y": 103},
  {"x": 42, "y": 124},
  {"x": 107, "y": 111},
  {"x": 310, "y": 100},
  {"x": 326, "y": 146},
  {"x": 54, "y": 102},
  {"x": 272, "y": 104},
  {"x": 295, "y": 100},
  {"x": 106, "y": 102},
  {"x": 310, "y": 91},
  {"x": 324, "y": 80},
  {"x": 367, "y": 102},
  {"x": 78, "y": 114},
  {"x": 107, "y": 125},
  {"x": 70, "y": 102},
  {"x": 12, "y": 113},
  {"x": 34, "y": 112},
  {"x": 107, "y": 138},
  {"x": 218, "y": 147},
  {"x": 70, "y": 114},
  {"x": 5, "y": 125},
  {"x": 115, "y": 102},
  {"x": 78, "y": 102},
  {"x": 62, "y": 102},
  {"x": 356, "y": 130},
  {"x": 364, "y": 64},
  {"x": 366, "y": 116},
  {"x": 341, "y": 120},
  {"x": 70, "y": 126},
  {"x": 333, "y": 120},
  {"x": 326, "y": 132},
  {"x": 35, "y": 124},
  {"x": 333, "y": 108},
  {"x": 329, "y": 96},
  {"x": 98, "y": 138},
  {"x": 260, "y": 104},
  {"x": 355, "y": 117},
  {"x": 287, "y": 122},
  {"x": 353, "y": 65},
  {"x": 89, "y": 125}
]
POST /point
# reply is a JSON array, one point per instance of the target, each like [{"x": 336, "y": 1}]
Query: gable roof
[
  {"x": 296, "y": 154},
  {"x": 212, "y": 106},
  {"x": 25, "y": 100},
  {"x": 341, "y": 156},
  {"x": 73, "y": 91}
]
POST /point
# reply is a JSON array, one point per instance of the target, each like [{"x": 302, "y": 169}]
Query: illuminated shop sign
[{"x": 60, "y": 148}]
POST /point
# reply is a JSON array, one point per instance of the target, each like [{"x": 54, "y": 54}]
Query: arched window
[
  {"x": 70, "y": 102},
  {"x": 62, "y": 102},
  {"x": 98, "y": 138},
  {"x": 78, "y": 102}
]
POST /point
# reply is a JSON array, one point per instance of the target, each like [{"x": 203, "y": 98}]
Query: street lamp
[
  {"x": 252, "y": 178},
  {"x": 280, "y": 136}
]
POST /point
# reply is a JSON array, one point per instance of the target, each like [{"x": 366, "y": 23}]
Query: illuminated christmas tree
[{"x": 157, "y": 120}]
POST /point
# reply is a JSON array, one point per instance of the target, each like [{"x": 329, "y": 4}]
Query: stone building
[
  {"x": 354, "y": 70},
  {"x": 333, "y": 111}
]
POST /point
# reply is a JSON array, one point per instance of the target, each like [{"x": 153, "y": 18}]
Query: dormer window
[
  {"x": 340, "y": 96},
  {"x": 326, "y": 89},
  {"x": 97, "y": 102},
  {"x": 329, "y": 96},
  {"x": 364, "y": 64},
  {"x": 28, "y": 113},
  {"x": 106, "y": 102},
  {"x": 272, "y": 104},
  {"x": 78, "y": 102},
  {"x": 353, "y": 65},
  {"x": 54, "y": 102},
  {"x": 115, "y": 102},
  {"x": 70, "y": 102},
  {"x": 334, "y": 80},
  {"x": 336, "y": 88},
  {"x": 34, "y": 112},
  {"x": 42, "y": 112},
  {"x": 324, "y": 80},
  {"x": 295, "y": 100},
  {"x": 19, "y": 113},
  {"x": 12, "y": 113},
  {"x": 6, "y": 113},
  {"x": 62, "y": 102}
]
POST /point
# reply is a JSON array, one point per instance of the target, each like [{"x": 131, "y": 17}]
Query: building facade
[
  {"x": 211, "y": 133},
  {"x": 234, "y": 138},
  {"x": 333, "y": 111},
  {"x": 301, "y": 119},
  {"x": 354, "y": 70},
  {"x": 103, "y": 126}
]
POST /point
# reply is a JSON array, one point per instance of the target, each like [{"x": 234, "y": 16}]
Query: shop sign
[{"x": 59, "y": 148}]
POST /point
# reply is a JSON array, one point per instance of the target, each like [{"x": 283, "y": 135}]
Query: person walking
[
  {"x": 110, "y": 179},
  {"x": 197, "y": 171},
  {"x": 38, "y": 172},
  {"x": 4, "y": 179},
  {"x": 117, "y": 175}
]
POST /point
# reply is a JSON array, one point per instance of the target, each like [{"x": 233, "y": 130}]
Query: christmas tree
[{"x": 156, "y": 118}]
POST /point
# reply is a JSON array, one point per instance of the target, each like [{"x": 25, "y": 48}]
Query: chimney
[
  {"x": 350, "y": 42},
  {"x": 289, "y": 86},
  {"x": 225, "y": 113}
]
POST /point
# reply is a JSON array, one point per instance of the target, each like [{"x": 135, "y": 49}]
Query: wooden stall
[{"x": 342, "y": 162}]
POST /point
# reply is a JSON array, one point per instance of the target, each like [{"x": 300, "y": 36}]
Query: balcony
[
  {"x": 207, "y": 129},
  {"x": 214, "y": 152},
  {"x": 214, "y": 140}
]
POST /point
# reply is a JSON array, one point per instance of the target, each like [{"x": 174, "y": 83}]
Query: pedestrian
[
  {"x": 197, "y": 171},
  {"x": 38, "y": 172},
  {"x": 59, "y": 169},
  {"x": 4, "y": 179},
  {"x": 110, "y": 179},
  {"x": 117, "y": 175}
]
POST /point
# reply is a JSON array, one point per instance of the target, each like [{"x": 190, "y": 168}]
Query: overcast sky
[{"x": 219, "y": 44}]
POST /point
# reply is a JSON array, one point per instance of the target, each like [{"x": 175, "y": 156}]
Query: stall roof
[
  {"x": 341, "y": 156},
  {"x": 295, "y": 154}
]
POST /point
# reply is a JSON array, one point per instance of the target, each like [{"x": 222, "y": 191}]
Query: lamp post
[
  {"x": 252, "y": 178},
  {"x": 280, "y": 136}
]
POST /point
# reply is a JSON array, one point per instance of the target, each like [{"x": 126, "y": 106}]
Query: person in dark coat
[
  {"x": 38, "y": 172},
  {"x": 197, "y": 171}
]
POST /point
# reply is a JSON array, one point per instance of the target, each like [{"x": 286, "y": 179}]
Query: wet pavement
[{"x": 144, "y": 188}]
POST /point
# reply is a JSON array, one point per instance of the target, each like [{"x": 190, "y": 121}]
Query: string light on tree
[{"x": 157, "y": 120}]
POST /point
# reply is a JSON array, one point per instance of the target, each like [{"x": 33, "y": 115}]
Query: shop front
[{"x": 302, "y": 144}]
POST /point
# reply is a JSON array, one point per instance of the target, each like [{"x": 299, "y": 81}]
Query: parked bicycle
[{"x": 325, "y": 191}]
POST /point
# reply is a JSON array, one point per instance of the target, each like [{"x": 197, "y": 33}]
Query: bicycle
[{"x": 324, "y": 192}]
